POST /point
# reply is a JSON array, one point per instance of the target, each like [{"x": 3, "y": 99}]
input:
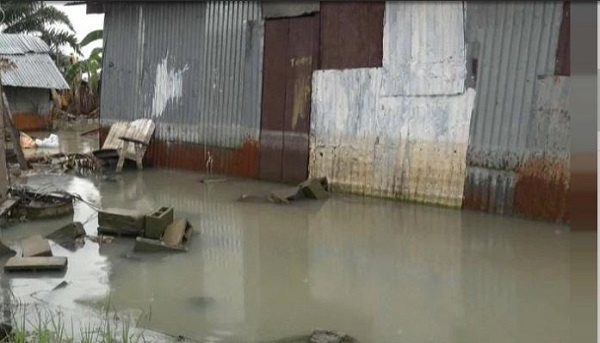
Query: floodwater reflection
[{"x": 378, "y": 270}]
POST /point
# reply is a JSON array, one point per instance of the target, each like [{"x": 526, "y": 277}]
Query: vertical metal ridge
[
  {"x": 206, "y": 44},
  {"x": 515, "y": 45}
]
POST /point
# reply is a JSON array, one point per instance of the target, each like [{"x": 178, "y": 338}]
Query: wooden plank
[
  {"x": 35, "y": 246},
  {"x": 36, "y": 263},
  {"x": 14, "y": 133}
]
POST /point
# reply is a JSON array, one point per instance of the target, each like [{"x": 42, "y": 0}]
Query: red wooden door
[{"x": 291, "y": 54}]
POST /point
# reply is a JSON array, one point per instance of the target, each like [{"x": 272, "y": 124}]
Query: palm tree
[{"x": 35, "y": 17}]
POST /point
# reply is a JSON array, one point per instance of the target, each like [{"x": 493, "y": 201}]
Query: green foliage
[
  {"x": 35, "y": 17},
  {"x": 91, "y": 37}
]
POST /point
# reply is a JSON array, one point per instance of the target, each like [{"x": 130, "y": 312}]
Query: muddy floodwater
[{"x": 380, "y": 271}]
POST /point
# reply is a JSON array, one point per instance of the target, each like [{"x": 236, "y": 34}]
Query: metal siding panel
[
  {"x": 120, "y": 73},
  {"x": 274, "y": 93},
  {"x": 351, "y": 34},
  {"x": 215, "y": 61},
  {"x": 423, "y": 48},
  {"x": 410, "y": 148},
  {"x": 302, "y": 59},
  {"x": 516, "y": 45}
]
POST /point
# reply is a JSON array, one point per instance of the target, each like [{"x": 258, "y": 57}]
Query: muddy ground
[{"x": 380, "y": 271}]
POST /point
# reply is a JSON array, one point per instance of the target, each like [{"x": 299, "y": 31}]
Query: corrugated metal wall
[
  {"x": 423, "y": 48},
  {"x": 194, "y": 68},
  {"x": 28, "y": 100},
  {"x": 368, "y": 139},
  {"x": 512, "y": 51},
  {"x": 351, "y": 34}
]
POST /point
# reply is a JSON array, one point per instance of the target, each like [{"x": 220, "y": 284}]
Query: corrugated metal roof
[
  {"x": 14, "y": 44},
  {"x": 514, "y": 44},
  {"x": 203, "y": 87},
  {"x": 33, "y": 71}
]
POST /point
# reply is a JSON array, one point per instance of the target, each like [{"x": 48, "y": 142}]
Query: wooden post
[
  {"x": 3, "y": 168},
  {"x": 14, "y": 133}
]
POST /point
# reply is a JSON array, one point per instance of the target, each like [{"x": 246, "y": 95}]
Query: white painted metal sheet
[
  {"x": 423, "y": 48},
  {"x": 411, "y": 148}
]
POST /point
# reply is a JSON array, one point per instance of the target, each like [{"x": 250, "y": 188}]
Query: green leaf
[{"x": 91, "y": 37}]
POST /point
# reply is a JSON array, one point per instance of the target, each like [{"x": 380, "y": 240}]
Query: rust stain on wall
[
  {"x": 542, "y": 188},
  {"x": 241, "y": 161},
  {"x": 302, "y": 89},
  {"x": 32, "y": 121}
]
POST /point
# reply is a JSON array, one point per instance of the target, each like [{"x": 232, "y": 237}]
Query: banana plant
[{"x": 86, "y": 69}]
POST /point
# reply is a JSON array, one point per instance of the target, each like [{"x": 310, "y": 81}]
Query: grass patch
[{"x": 40, "y": 323}]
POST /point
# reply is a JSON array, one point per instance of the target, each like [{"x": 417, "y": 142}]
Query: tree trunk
[{"x": 3, "y": 168}]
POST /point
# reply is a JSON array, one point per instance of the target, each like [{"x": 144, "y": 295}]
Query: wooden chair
[
  {"x": 131, "y": 140},
  {"x": 140, "y": 150}
]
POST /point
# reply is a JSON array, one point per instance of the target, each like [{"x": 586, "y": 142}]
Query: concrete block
[
  {"x": 109, "y": 231},
  {"x": 69, "y": 231},
  {"x": 315, "y": 188},
  {"x": 172, "y": 234},
  {"x": 121, "y": 222},
  {"x": 36, "y": 263},
  {"x": 284, "y": 196},
  {"x": 6, "y": 251},
  {"x": 157, "y": 222},
  {"x": 35, "y": 246}
]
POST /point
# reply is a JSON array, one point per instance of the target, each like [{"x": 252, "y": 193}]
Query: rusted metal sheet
[
  {"x": 541, "y": 188},
  {"x": 286, "y": 9},
  {"x": 520, "y": 125},
  {"x": 423, "y": 48},
  {"x": 563, "y": 55},
  {"x": 242, "y": 161},
  {"x": 291, "y": 54},
  {"x": 32, "y": 121},
  {"x": 583, "y": 195},
  {"x": 273, "y": 102},
  {"x": 303, "y": 58},
  {"x": 410, "y": 148},
  {"x": 351, "y": 34}
]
